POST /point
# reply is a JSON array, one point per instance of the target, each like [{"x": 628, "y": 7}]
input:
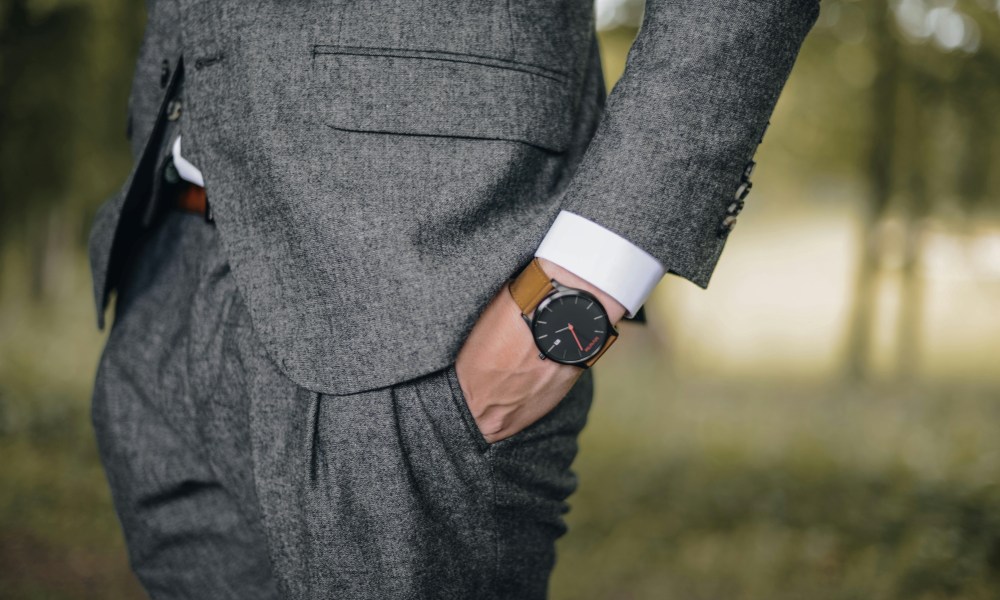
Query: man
[{"x": 336, "y": 369}]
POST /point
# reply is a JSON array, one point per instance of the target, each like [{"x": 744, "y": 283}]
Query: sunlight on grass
[{"x": 714, "y": 490}]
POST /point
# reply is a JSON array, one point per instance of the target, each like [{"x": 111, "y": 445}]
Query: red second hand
[{"x": 571, "y": 330}]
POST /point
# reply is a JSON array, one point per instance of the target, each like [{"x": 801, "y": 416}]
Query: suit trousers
[{"x": 230, "y": 481}]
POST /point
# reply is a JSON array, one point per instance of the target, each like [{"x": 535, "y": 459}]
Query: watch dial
[{"x": 571, "y": 327}]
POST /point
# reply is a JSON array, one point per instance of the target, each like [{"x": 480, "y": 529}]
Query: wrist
[{"x": 614, "y": 308}]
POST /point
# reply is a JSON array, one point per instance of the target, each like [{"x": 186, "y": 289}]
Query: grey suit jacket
[{"x": 378, "y": 169}]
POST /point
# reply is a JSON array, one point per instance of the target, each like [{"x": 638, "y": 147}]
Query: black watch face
[{"x": 570, "y": 327}]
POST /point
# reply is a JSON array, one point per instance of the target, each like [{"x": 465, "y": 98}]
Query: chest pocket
[{"x": 442, "y": 93}]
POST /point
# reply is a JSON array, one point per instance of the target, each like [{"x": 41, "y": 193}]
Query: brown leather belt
[{"x": 192, "y": 198}]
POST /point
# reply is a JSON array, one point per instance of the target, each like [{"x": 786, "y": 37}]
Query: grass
[
  {"x": 694, "y": 489},
  {"x": 59, "y": 538},
  {"x": 724, "y": 491}
]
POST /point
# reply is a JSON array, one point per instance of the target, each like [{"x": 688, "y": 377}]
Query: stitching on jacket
[
  {"x": 510, "y": 32},
  {"x": 207, "y": 61},
  {"x": 458, "y": 57},
  {"x": 447, "y": 135}
]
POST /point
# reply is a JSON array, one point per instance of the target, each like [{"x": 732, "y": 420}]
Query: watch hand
[
  {"x": 561, "y": 330},
  {"x": 573, "y": 331}
]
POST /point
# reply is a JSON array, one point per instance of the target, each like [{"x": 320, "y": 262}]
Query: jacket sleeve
[{"x": 680, "y": 128}]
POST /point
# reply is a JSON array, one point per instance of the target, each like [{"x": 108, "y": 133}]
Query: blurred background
[{"x": 823, "y": 422}]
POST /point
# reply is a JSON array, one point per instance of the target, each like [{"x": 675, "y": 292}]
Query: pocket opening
[
  {"x": 465, "y": 413},
  {"x": 442, "y": 55},
  {"x": 446, "y": 95}
]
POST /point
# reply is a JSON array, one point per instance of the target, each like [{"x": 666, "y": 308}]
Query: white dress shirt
[
  {"x": 185, "y": 169},
  {"x": 601, "y": 257}
]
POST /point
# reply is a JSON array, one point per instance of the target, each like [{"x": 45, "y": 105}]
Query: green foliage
[
  {"x": 65, "y": 67},
  {"x": 59, "y": 538},
  {"x": 707, "y": 524},
  {"x": 776, "y": 491}
]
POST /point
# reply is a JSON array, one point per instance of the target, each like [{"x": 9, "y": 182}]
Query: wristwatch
[{"x": 569, "y": 326}]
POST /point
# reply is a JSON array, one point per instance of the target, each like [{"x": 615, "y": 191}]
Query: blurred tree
[
  {"x": 65, "y": 67},
  {"x": 881, "y": 150},
  {"x": 931, "y": 139},
  {"x": 917, "y": 110}
]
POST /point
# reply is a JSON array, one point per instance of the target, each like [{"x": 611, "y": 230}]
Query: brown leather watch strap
[
  {"x": 611, "y": 340},
  {"x": 530, "y": 287},
  {"x": 193, "y": 199}
]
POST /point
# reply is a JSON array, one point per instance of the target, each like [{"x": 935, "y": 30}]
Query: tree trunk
[
  {"x": 880, "y": 159},
  {"x": 911, "y": 306}
]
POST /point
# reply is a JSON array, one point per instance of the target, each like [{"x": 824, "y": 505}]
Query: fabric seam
[
  {"x": 442, "y": 55},
  {"x": 447, "y": 136}
]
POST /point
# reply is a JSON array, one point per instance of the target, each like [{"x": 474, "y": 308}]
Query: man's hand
[{"x": 504, "y": 382}]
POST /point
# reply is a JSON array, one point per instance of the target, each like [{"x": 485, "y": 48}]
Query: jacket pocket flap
[{"x": 425, "y": 93}]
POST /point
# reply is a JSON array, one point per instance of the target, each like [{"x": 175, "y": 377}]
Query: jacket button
[
  {"x": 743, "y": 191},
  {"x": 170, "y": 174},
  {"x": 164, "y": 73},
  {"x": 174, "y": 110},
  {"x": 726, "y": 226}
]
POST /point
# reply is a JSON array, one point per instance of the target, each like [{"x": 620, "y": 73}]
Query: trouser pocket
[
  {"x": 461, "y": 404},
  {"x": 532, "y": 479},
  {"x": 394, "y": 497},
  {"x": 394, "y": 493},
  {"x": 567, "y": 418}
]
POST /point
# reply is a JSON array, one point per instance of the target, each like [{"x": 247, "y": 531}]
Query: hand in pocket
[{"x": 505, "y": 384}]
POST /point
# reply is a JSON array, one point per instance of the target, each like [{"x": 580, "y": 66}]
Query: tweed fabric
[
  {"x": 231, "y": 481},
  {"x": 377, "y": 169}
]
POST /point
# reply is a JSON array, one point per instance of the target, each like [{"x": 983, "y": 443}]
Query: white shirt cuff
[
  {"x": 185, "y": 169},
  {"x": 603, "y": 258}
]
